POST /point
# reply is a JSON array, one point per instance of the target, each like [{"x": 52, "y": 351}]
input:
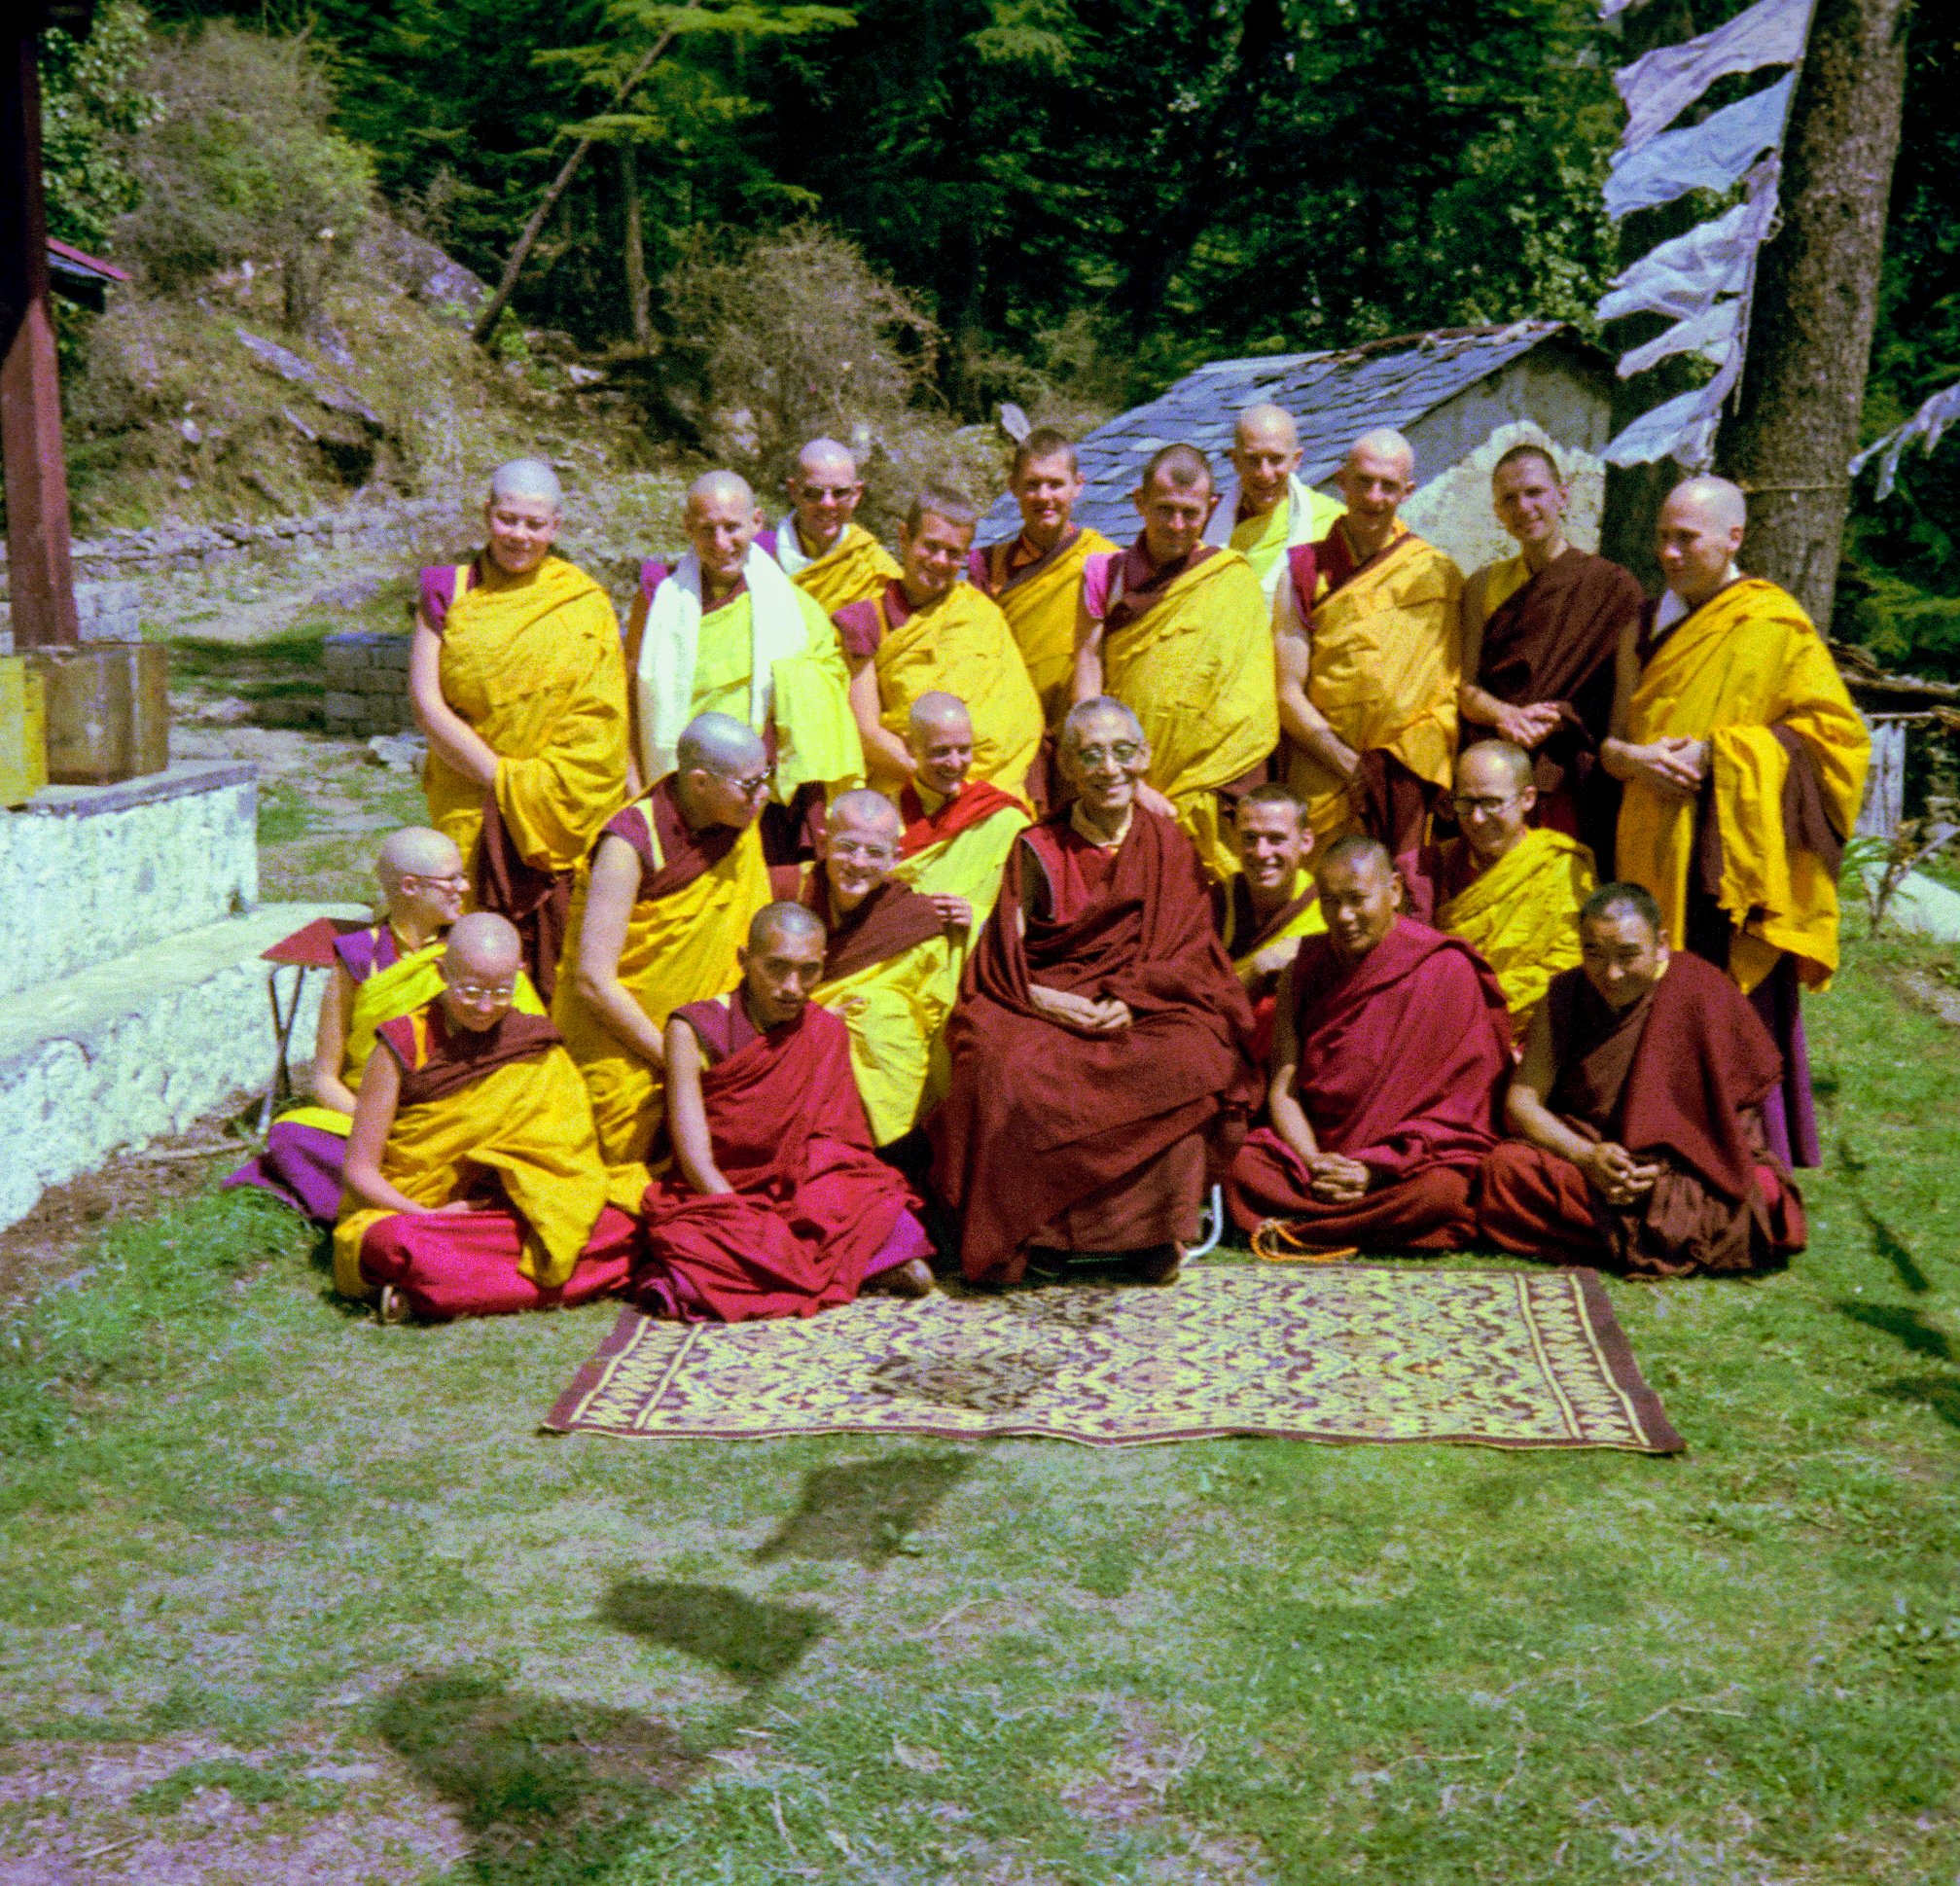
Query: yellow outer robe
[
  {"x": 1521, "y": 915},
  {"x": 1041, "y": 612},
  {"x": 1386, "y": 662},
  {"x": 1726, "y": 673},
  {"x": 1197, "y": 670},
  {"x": 961, "y": 645},
  {"x": 854, "y": 569},
  {"x": 1307, "y": 922},
  {"x": 533, "y": 664},
  {"x": 970, "y": 863},
  {"x": 1263, "y": 539},
  {"x": 529, "y": 1123}
]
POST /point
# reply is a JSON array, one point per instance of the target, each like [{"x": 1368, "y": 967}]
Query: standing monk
[
  {"x": 928, "y": 632},
  {"x": 1370, "y": 660},
  {"x": 1100, "y": 1044},
  {"x": 778, "y": 1205},
  {"x": 959, "y": 832},
  {"x": 725, "y": 632},
  {"x": 1265, "y": 510},
  {"x": 1037, "y": 576},
  {"x": 1509, "y": 889},
  {"x": 1743, "y": 762},
  {"x": 1270, "y": 902},
  {"x": 516, "y": 680},
  {"x": 1180, "y": 631},
  {"x": 818, "y": 545},
  {"x": 1390, "y": 1051},
  {"x": 1540, "y": 633},
  {"x": 1639, "y": 1115},
  {"x": 657, "y": 920}
]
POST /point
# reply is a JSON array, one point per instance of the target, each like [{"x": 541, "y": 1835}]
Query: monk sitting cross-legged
[
  {"x": 893, "y": 959},
  {"x": 1509, "y": 889},
  {"x": 1273, "y": 902},
  {"x": 1390, "y": 1051},
  {"x": 657, "y": 920},
  {"x": 958, "y": 830},
  {"x": 474, "y": 1184},
  {"x": 1181, "y": 631},
  {"x": 1639, "y": 1111},
  {"x": 928, "y": 632},
  {"x": 1100, "y": 1042},
  {"x": 779, "y": 1206},
  {"x": 820, "y": 546}
]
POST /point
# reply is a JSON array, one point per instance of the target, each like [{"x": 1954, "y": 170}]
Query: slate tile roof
[{"x": 1335, "y": 396}]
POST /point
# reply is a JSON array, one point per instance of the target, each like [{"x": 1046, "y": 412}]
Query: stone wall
[
  {"x": 90, "y": 872},
  {"x": 108, "y": 612},
  {"x": 368, "y": 683}
]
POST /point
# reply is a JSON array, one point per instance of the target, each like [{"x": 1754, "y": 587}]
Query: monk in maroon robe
[
  {"x": 1639, "y": 1115},
  {"x": 778, "y": 1205},
  {"x": 1540, "y": 631},
  {"x": 1100, "y": 1045},
  {"x": 1389, "y": 1058}
]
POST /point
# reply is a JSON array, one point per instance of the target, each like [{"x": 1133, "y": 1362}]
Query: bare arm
[
  {"x": 688, "y": 1113},
  {"x": 1613, "y": 1170},
  {"x": 1305, "y": 725},
  {"x": 1089, "y": 631},
  {"x": 884, "y": 751},
  {"x": 374, "y": 1120},
  {"x": 452, "y": 738},
  {"x": 610, "y": 895},
  {"x": 1288, "y": 1117},
  {"x": 330, "y": 1040}
]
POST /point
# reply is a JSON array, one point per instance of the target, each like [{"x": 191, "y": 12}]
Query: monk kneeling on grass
[
  {"x": 1391, "y": 1047},
  {"x": 1639, "y": 1114},
  {"x": 474, "y": 1184},
  {"x": 780, "y": 1205}
]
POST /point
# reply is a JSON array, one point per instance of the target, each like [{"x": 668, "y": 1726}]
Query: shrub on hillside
[{"x": 245, "y": 165}]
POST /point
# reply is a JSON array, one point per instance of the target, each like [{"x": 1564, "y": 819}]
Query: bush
[{"x": 93, "y": 98}]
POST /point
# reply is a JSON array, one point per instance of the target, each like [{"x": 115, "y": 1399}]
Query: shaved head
[
  {"x": 483, "y": 945},
  {"x": 1103, "y": 713},
  {"x": 1383, "y": 442},
  {"x": 934, "y": 712},
  {"x": 1499, "y": 758},
  {"x": 1359, "y": 856},
  {"x": 1261, "y": 423},
  {"x": 1360, "y": 895},
  {"x": 866, "y": 812},
  {"x": 822, "y": 457},
  {"x": 1697, "y": 535},
  {"x": 528, "y": 477},
  {"x": 416, "y": 851},
  {"x": 720, "y": 744},
  {"x": 785, "y": 923},
  {"x": 1719, "y": 502},
  {"x": 715, "y": 487}
]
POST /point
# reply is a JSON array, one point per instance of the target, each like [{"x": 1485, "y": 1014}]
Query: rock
[
  {"x": 398, "y": 752},
  {"x": 302, "y": 371},
  {"x": 351, "y": 593}
]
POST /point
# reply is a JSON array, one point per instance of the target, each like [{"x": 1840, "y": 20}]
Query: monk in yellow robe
[
  {"x": 820, "y": 546},
  {"x": 657, "y": 920},
  {"x": 516, "y": 678},
  {"x": 1509, "y": 889},
  {"x": 474, "y": 1184},
  {"x": 928, "y": 632},
  {"x": 1179, "y": 631},
  {"x": 1270, "y": 902},
  {"x": 723, "y": 631},
  {"x": 1743, "y": 765},
  {"x": 958, "y": 830},
  {"x": 1265, "y": 510},
  {"x": 1370, "y": 647},
  {"x": 1036, "y": 577},
  {"x": 892, "y": 961}
]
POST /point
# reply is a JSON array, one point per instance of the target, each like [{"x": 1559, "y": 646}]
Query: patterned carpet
[{"x": 1346, "y": 1352}]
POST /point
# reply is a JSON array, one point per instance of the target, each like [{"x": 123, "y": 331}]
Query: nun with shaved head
[
  {"x": 723, "y": 631},
  {"x": 516, "y": 678}
]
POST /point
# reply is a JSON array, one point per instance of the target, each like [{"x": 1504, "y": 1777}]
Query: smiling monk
[
  {"x": 821, "y": 547},
  {"x": 958, "y": 830},
  {"x": 1265, "y": 510},
  {"x": 1272, "y": 903}
]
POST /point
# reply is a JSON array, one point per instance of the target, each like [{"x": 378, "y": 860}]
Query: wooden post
[{"x": 40, "y": 577}]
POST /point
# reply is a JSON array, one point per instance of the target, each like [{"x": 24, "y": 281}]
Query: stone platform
[{"x": 133, "y": 996}]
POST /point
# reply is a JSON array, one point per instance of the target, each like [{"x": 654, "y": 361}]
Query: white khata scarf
[{"x": 1299, "y": 525}]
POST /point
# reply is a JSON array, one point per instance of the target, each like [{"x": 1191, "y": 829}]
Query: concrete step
[{"x": 122, "y": 1052}]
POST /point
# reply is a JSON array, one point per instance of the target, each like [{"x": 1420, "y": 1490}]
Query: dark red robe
[
  {"x": 1048, "y": 1136},
  {"x": 972, "y": 805},
  {"x": 1677, "y": 1078},
  {"x": 814, "y": 1211},
  {"x": 1402, "y": 1061}
]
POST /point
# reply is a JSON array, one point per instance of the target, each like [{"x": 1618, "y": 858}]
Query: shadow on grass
[
  {"x": 1939, "y": 1393},
  {"x": 1905, "y": 1324},
  {"x": 1893, "y": 1250},
  {"x": 865, "y": 1511}
]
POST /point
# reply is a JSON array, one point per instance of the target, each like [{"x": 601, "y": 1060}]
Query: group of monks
[{"x": 846, "y": 916}]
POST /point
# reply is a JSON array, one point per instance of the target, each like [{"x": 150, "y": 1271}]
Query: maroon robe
[
  {"x": 891, "y": 921},
  {"x": 813, "y": 1212},
  {"x": 1554, "y": 642},
  {"x": 1403, "y": 1059},
  {"x": 1243, "y": 934},
  {"x": 1678, "y": 1079},
  {"x": 1062, "y": 1140}
]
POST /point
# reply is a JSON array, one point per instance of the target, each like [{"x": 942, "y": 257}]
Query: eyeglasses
[
  {"x": 1466, "y": 806},
  {"x": 449, "y": 880},
  {"x": 1125, "y": 753},
  {"x": 476, "y": 992},
  {"x": 748, "y": 788},
  {"x": 876, "y": 853}
]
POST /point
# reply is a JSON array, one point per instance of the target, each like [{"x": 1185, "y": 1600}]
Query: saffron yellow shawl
[
  {"x": 1041, "y": 611},
  {"x": 1521, "y": 915},
  {"x": 854, "y": 569}
]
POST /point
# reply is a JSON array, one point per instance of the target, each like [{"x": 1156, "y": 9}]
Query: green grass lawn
[{"x": 286, "y": 1595}]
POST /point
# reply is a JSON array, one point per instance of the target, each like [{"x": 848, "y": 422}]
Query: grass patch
[
  {"x": 284, "y": 814},
  {"x": 236, "y": 1517}
]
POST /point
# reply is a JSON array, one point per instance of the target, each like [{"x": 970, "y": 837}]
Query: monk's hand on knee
[
  {"x": 1336, "y": 1181},
  {"x": 1618, "y": 1176}
]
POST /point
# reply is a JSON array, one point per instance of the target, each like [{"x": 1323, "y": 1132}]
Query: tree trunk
[
  {"x": 637, "y": 308},
  {"x": 1816, "y": 300}
]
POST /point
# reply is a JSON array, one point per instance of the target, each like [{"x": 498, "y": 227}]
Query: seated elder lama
[
  {"x": 1639, "y": 1114},
  {"x": 475, "y": 1184},
  {"x": 1391, "y": 1045},
  {"x": 778, "y": 1205},
  {"x": 1100, "y": 1045}
]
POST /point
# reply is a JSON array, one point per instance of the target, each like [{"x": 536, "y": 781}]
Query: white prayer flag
[
  {"x": 1683, "y": 428},
  {"x": 1660, "y": 86},
  {"x": 1929, "y": 424},
  {"x": 1710, "y": 156},
  {"x": 1683, "y": 277},
  {"x": 1711, "y": 334}
]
